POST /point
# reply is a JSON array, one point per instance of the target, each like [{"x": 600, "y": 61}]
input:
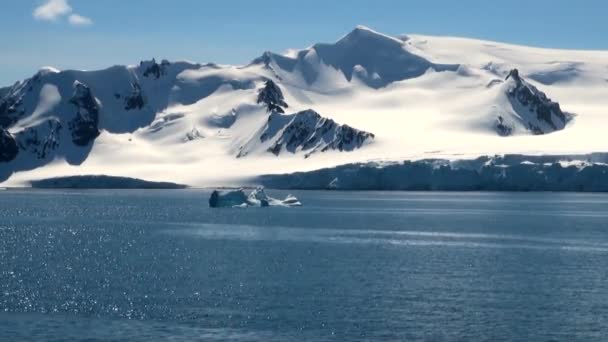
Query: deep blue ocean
[{"x": 144, "y": 265}]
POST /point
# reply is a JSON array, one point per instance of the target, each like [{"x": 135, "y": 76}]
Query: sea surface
[{"x": 145, "y": 265}]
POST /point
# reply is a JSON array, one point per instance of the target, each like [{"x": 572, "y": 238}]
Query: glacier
[{"x": 583, "y": 173}]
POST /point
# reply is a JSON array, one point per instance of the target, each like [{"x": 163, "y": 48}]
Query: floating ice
[{"x": 257, "y": 198}]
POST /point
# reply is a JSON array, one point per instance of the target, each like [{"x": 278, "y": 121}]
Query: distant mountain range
[{"x": 367, "y": 96}]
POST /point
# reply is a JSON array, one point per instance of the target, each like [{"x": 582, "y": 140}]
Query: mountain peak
[
  {"x": 538, "y": 113},
  {"x": 47, "y": 70},
  {"x": 374, "y": 58},
  {"x": 363, "y": 29},
  {"x": 514, "y": 74},
  {"x": 364, "y": 33}
]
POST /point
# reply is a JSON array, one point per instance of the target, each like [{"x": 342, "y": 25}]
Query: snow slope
[{"x": 415, "y": 97}]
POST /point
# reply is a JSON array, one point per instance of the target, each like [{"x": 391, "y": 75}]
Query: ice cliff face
[{"x": 501, "y": 173}]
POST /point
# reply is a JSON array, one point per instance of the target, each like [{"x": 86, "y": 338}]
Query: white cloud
[
  {"x": 52, "y": 9},
  {"x": 78, "y": 20}
]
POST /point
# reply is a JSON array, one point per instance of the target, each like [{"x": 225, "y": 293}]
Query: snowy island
[
  {"x": 101, "y": 182},
  {"x": 368, "y": 111}
]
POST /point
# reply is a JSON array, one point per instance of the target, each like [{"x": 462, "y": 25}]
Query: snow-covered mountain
[
  {"x": 363, "y": 55},
  {"x": 367, "y": 96}
]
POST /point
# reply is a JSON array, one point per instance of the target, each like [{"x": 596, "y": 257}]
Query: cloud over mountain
[
  {"x": 79, "y": 20},
  {"x": 53, "y": 10}
]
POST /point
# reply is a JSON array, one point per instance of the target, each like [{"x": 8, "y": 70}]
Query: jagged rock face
[
  {"x": 502, "y": 128},
  {"x": 41, "y": 140},
  {"x": 11, "y": 104},
  {"x": 153, "y": 69},
  {"x": 7, "y": 112},
  {"x": 136, "y": 99},
  {"x": 545, "y": 112},
  {"x": 4, "y": 91},
  {"x": 8, "y": 147},
  {"x": 84, "y": 126},
  {"x": 194, "y": 134},
  {"x": 309, "y": 131},
  {"x": 14, "y": 104},
  {"x": 272, "y": 97}
]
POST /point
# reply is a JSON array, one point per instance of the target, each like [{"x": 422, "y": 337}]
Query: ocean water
[{"x": 348, "y": 266}]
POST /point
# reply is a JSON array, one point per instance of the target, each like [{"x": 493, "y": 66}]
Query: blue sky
[{"x": 90, "y": 34}]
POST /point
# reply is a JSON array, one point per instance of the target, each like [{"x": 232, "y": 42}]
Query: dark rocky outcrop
[
  {"x": 524, "y": 95},
  {"x": 41, "y": 140},
  {"x": 8, "y": 147},
  {"x": 310, "y": 132},
  {"x": 272, "y": 97},
  {"x": 502, "y": 128},
  {"x": 135, "y": 100},
  {"x": 84, "y": 126},
  {"x": 153, "y": 69},
  {"x": 194, "y": 134},
  {"x": 11, "y": 109}
]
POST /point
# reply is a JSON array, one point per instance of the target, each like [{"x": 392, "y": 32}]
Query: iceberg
[
  {"x": 257, "y": 198},
  {"x": 232, "y": 198}
]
